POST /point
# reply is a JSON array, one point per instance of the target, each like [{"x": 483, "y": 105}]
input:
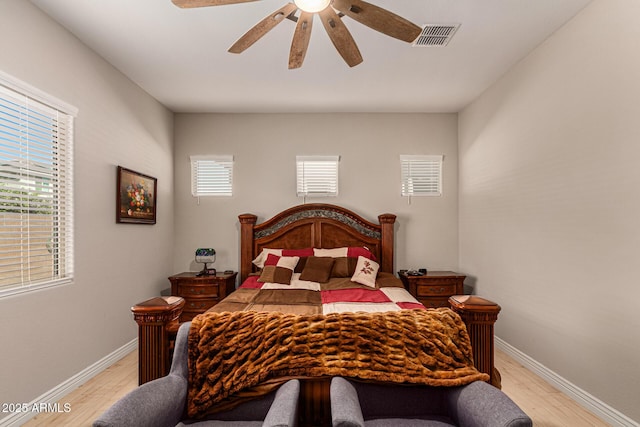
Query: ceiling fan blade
[
  {"x": 262, "y": 28},
  {"x": 379, "y": 19},
  {"x": 340, "y": 36},
  {"x": 185, "y": 4},
  {"x": 301, "y": 38}
]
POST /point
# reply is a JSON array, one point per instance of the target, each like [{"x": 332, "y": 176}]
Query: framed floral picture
[{"x": 136, "y": 197}]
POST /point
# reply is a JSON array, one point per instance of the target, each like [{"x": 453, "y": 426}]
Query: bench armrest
[
  {"x": 157, "y": 403},
  {"x": 345, "y": 405},
  {"x": 482, "y": 405}
]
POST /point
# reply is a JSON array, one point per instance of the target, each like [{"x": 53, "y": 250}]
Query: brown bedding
[
  {"x": 232, "y": 351},
  {"x": 338, "y": 294}
]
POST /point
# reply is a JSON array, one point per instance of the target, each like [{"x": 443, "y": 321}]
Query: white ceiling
[{"x": 179, "y": 56}]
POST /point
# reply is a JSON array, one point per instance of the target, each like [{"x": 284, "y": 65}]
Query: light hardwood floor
[{"x": 544, "y": 404}]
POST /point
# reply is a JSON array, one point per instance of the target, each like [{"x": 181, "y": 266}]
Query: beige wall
[
  {"x": 48, "y": 336},
  {"x": 549, "y": 202},
  {"x": 544, "y": 218},
  {"x": 265, "y": 146}
]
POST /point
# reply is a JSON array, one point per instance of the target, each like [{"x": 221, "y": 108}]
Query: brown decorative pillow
[
  {"x": 317, "y": 269},
  {"x": 300, "y": 265},
  {"x": 278, "y": 269},
  {"x": 344, "y": 267}
]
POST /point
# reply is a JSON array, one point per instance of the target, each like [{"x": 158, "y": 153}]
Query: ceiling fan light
[{"x": 312, "y": 6}]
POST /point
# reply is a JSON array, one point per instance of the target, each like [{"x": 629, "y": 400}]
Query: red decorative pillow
[
  {"x": 278, "y": 269},
  {"x": 307, "y": 252},
  {"x": 358, "y": 251},
  {"x": 262, "y": 257}
]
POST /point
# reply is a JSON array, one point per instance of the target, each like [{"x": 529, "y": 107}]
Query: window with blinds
[
  {"x": 211, "y": 176},
  {"x": 421, "y": 175},
  {"x": 36, "y": 183},
  {"x": 317, "y": 176}
]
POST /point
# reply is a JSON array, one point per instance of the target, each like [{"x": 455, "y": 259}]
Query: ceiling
[{"x": 180, "y": 57}]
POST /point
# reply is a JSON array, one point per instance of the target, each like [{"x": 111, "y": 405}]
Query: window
[
  {"x": 36, "y": 183},
  {"x": 211, "y": 176},
  {"x": 421, "y": 175},
  {"x": 317, "y": 176}
]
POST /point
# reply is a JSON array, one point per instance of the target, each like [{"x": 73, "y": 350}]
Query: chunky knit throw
[{"x": 232, "y": 351}]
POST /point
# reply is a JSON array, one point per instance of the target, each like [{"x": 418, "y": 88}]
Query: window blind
[
  {"x": 36, "y": 189},
  {"x": 317, "y": 176},
  {"x": 211, "y": 176},
  {"x": 421, "y": 175}
]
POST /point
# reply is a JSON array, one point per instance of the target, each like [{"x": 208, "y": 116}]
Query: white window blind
[
  {"x": 36, "y": 189},
  {"x": 421, "y": 175},
  {"x": 317, "y": 176},
  {"x": 211, "y": 176}
]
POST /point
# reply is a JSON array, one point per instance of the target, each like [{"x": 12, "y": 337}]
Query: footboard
[
  {"x": 315, "y": 406},
  {"x": 157, "y": 320}
]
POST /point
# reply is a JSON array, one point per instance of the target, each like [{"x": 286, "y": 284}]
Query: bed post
[
  {"x": 247, "y": 221},
  {"x": 387, "y": 222},
  {"x": 479, "y": 315},
  {"x": 158, "y": 322}
]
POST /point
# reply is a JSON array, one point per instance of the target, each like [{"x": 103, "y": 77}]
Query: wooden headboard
[{"x": 315, "y": 225}]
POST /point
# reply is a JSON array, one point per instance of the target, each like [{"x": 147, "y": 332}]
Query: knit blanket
[{"x": 232, "y": 351}]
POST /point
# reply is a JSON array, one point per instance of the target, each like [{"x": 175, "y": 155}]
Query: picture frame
[{"x": 135, "y": 197}]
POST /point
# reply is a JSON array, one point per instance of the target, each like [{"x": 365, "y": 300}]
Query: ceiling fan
[{"x": 331, "y": 13}]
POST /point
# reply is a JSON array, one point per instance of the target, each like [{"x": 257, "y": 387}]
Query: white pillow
[
  {"x": 260, "y": 259},
  {"x": 366, "y": 272},
  {"x": 333, "y": 253}
]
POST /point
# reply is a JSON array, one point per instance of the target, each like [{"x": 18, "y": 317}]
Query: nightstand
[
  {"x": 434, "y": 288},
  {"x": 201, "y": 292}
]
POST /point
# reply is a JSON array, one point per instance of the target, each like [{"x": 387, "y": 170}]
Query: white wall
[
  {"x": 48, "y": 336},
  {"x": 549, "y": 202},
  {"x": 265, "y": 146}
]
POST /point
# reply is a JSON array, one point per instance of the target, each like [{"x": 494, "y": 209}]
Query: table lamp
[{"x": 206, "y": 256}]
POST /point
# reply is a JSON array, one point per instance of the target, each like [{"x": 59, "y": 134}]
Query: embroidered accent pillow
[
  {"x": 366, "y": 272},
  {"x": 278, "y": 269}
]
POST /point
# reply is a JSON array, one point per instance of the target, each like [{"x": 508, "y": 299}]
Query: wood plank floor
[{"x": 544, "y": 404}]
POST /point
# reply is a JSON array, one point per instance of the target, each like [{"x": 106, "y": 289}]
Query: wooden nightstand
[
  {"x": 201, "y": 292},
  {"x": 434, "y": 288}
]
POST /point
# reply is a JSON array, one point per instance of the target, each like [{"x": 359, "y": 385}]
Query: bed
[
  {"x": 318, "y": 232},
  {"x": 334, "y": 240},
  {"x": 310, "y": 232}
]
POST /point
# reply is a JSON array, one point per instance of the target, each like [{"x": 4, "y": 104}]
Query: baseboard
[
  {"x": 57, "y": 393},
  {"x": 589, "y": 402}
]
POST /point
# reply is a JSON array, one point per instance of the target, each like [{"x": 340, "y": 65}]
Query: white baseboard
[
  {"x": 589, "y": 402},
  {"x": 57, "y": 393}
]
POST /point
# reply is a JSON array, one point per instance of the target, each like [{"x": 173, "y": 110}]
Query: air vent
[{"x": 436, "y": 35}]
